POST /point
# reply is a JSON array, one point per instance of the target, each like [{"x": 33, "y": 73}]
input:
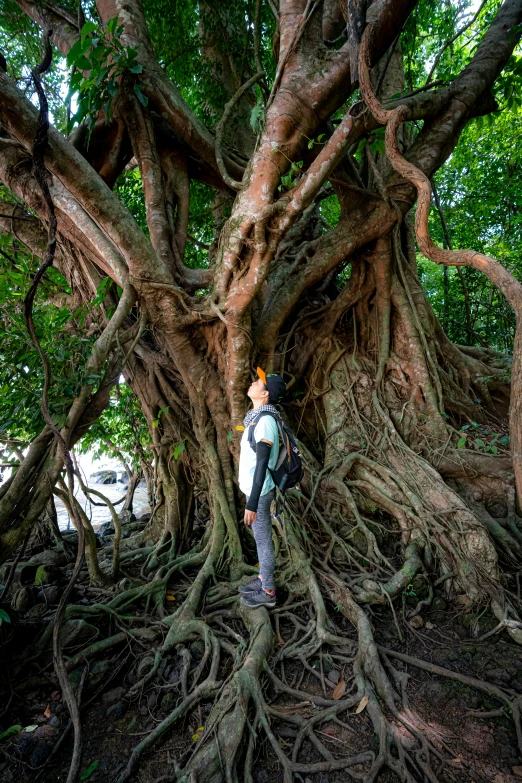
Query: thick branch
[
  {"x": 163, "y": 95},
  {"x": 73, "y": 221},
  {"x": 64, "y": 24},
  {"x": 495, "y": 272},
  {"x": 18, "y": 116}
]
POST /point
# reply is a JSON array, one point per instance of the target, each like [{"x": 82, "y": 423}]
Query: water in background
[{"x": 100, "y": 514}]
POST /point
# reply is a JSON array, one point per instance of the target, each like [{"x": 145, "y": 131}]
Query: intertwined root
[
  {"x": 332, "y": 550},
  {"x": 242, "y": 715}
]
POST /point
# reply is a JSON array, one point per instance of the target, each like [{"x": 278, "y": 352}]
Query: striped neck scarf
[{"x": 253, "y": 412}]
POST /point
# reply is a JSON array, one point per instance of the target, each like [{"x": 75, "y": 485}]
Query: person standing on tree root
[{"x": 259, "y": 452}]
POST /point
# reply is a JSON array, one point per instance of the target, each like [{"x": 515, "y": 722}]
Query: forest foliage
[{"x": 479, "y": 187}]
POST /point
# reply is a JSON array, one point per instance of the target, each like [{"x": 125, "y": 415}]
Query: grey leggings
[{"x": 262, "y": 529}]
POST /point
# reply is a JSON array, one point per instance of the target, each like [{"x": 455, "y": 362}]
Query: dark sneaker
[
  {"x": 252, "y": 587},
  {"x": 261, "y": 598}
]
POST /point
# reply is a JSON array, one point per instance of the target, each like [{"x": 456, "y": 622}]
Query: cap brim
[{"x": 261, "y": 373}]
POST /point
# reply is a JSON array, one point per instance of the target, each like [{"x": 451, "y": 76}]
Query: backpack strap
[{"x": 252, "y": 426}]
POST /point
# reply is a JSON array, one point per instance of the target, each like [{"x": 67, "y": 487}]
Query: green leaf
[
  {"x": 11, "y": 730},
  {"x": 90, "y": 769},
  {"x": 88, "y": 27},
  {"x": 229, "y": 436},
  {"x": 179, "y": 449},
  {"x": 479, "y": 442},
  {"x": 140, "y": 96},
  {"x": 112, "y": 24},
  {"x": 30, "y": 729},
  {"x": 4, "y": 617},
  {"x": 100, "y": 53},
  {"x": 83, "y": 63},
  {"x": 76, "y": 80},
  {"x": 101, "y": 291},
  {"x": 461, "y": 443},
  {"x": 138, "y": 68},
  {"x": 76, "y": 50}
]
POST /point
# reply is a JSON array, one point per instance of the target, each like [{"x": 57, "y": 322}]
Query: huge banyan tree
[{"x": 309, "y": 106}]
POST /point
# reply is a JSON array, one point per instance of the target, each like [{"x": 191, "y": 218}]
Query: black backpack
[{"x": 288, "y": 470}]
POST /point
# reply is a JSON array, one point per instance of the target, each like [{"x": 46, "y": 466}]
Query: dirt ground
[{"x": 473, "y": 748}]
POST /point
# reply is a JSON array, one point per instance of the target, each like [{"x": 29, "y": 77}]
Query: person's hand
[{"x": 250, "y": 517}]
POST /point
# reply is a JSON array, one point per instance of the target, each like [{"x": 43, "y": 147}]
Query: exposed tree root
[{"x": 384, "y": 393}]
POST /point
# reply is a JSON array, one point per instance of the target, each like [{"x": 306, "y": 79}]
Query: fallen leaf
[
  {"x": 339, "y": 690},
  {"x": 362, "y": 704},
  {"x": 456, "y": 761},
  {"x": 517, "y": 771},
  {"x": 10, "y": 730},
  {"x": 329, "y": 730},
  {"x": 195, "y": 737},
  {"x": 171, "y": 597},
  {"x": 29, "y": 729},
  {"x": 47, "y": 712},
  {"x": 201, "y": 728},
  {"x": 90, "y": 769}
]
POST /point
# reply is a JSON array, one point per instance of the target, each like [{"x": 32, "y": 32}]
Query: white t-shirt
[{"x": 265, "y": 429}]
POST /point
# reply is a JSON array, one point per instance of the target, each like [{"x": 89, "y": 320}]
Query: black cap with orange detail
[{"x": 275, "y": 385}]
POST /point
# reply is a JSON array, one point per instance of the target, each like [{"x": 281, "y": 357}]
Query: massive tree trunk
[{"x": 381, "y": 392}]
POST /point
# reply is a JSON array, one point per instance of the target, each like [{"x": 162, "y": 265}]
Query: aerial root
[
  {"x": 382, "y": 699},
  {"x": 433, "y": 519},
  {"x": 208, "y": 688},
  {"x": 229, "y": 716}
]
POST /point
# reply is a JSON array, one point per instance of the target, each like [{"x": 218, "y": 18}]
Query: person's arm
[{"x": 263, "y": 449}]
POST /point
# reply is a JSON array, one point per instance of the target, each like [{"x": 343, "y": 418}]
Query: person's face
[{"x": 258, "y": 391}]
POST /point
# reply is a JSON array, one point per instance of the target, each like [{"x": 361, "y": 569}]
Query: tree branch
[
  {"x": 232, "y": 183},
  {"x": 509, "y": 15},
  {"x": 164, "y": 97},
  {"x": 18, "y": 117},
  {"x": 73, "y": 221},
  {"x": 64, "y": 24}
]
